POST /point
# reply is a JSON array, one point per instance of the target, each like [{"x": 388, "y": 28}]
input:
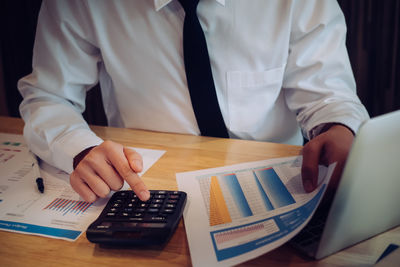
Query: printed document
[
  {"x": 239, "y": 212},
  {"x": 59, "y": 212}
]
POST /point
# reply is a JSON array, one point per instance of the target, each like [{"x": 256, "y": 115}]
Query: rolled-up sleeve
[
  {"x": 319, "y": 84},
  {"x": 64, "y": 68}
]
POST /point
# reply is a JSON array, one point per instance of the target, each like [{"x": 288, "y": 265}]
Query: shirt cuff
[
  {"x": 70, "y": 145},
  {"x": 352, "y": 124}
]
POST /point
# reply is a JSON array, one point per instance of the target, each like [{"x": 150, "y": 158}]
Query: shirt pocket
[{"x": 251, "y": 96}]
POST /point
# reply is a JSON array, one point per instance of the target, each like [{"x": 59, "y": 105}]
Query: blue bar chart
[
  {"x": 232, "y": 196},
  {"x": 235, "y": 190},
  {"x": 276, "y": 193}
]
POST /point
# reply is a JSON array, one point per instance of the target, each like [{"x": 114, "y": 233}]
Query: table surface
[{"x": 183, "y": 153}]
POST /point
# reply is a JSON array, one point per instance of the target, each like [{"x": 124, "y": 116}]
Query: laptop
[{"x": 367, "y": 199}]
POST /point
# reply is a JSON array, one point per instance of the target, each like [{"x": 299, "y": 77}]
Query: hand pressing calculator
[{"x": 126, "y": 220}]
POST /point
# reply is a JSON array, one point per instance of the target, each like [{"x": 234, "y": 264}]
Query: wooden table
[{"x": 184, "y": 153}]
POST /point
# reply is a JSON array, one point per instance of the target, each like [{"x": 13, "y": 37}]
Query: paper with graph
[
  {"x": 238, "y": 212},
  {"x": 59, "y": 212}
]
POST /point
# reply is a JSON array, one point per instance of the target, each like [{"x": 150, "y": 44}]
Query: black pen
[
  {"x": 36, "y": 172},
  {"x": 40, "y": 185}
]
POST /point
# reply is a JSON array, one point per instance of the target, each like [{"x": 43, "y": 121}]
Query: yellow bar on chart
[{"x": 219, "y": 213}]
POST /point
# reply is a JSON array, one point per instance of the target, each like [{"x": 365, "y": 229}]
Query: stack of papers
[{"x": 59, "y": 212}]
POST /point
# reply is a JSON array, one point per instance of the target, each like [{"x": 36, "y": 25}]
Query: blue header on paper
[{"x": 36, "y": 229}]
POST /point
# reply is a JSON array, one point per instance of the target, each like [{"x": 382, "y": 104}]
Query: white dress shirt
[{"x": 280, "y": 69}]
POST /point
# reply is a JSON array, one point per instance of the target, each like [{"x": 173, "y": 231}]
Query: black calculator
[{"x": 126, "y": 220}]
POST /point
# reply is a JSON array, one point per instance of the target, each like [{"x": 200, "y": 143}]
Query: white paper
[
  {"x": 239, "y": 212},
  {"x": 59, "y": 212}
]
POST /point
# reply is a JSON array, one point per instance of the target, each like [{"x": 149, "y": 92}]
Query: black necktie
[{"x": 199, "y": 76}]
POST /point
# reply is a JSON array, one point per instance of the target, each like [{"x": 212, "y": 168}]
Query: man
[{"x": 280, "y": 68}]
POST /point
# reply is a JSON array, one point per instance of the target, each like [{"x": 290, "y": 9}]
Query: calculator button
[
  {"x": 172, "y": 201},
  {"x": 110, "y": 214},
  {"x": 173, "y": 196},
  {"x": 128, "y": 209},
  {"x": 158, "y": 196},
  {"x": 140, "y": 210},
  {"x": 104, "y": 225},
  {"x": 170, "y": 206},
  {"x": 137, "y": 214},
  {"x": 169, "y": 211},
  {"x": 155, "y": 206},
  {"x": 145, "y": 202},
  {"x": 156, "y": 201},
  {"x": 153, "y": 210}
]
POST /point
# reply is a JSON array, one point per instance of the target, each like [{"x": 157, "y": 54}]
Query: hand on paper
[
  {"x": 332, "y": 145},
  {"x": 106, "y": 167}
]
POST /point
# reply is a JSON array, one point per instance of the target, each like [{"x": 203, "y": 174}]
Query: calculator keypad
[{"x": 125, "y": 205}]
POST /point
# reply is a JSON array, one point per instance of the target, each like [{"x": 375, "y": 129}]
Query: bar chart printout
[
  {"x": 226, "y": 200},
  {"x": 68, "y": 206},
  {"x": 242, "y": 211}
]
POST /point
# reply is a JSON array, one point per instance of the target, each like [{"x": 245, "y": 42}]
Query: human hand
[
  {"x": 332, "y": 145},
  {"x": 106, "y": 167}
]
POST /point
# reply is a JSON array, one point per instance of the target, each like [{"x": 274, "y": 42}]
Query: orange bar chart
[{"x": 219, "y": 213}]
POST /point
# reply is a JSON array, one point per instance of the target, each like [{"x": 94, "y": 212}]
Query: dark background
[{"x": 373, "y": 43}]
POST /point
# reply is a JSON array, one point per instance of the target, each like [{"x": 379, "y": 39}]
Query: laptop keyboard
[{"x": 312, "y": 232}]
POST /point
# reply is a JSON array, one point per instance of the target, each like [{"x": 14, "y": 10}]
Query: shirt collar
[{"x": 158, "y": 4}]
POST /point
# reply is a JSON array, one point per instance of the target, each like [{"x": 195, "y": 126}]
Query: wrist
[
  {"x": 329, "y": 126},
  {"x": 81, "y": 155}
]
